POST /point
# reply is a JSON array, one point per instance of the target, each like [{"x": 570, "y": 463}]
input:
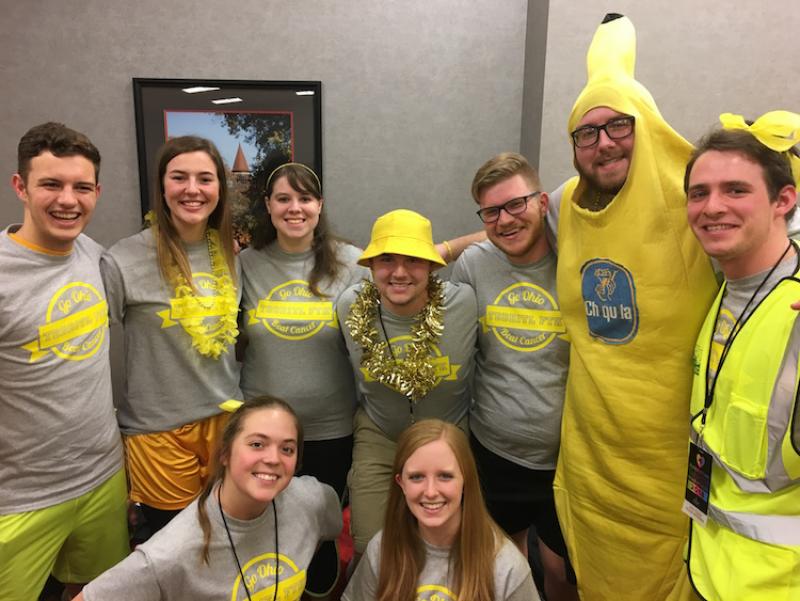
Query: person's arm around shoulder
[
  {"x": 450, "y": 250},
  {"x": 363, "y": 585}
]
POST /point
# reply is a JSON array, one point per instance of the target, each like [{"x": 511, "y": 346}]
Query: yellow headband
[
  {"x": 777, "y": 130},
  {"x": 306, "y": 167}
]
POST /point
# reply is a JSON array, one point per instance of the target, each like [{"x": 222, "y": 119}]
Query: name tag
[{"x": 698, "y": 484}]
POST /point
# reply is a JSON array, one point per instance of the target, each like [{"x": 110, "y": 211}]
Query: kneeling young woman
[
  {"x": 438, "y": 537},
  {"x": 251, "y": 533}
]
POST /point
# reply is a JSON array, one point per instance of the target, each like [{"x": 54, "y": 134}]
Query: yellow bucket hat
[{"x": 402, "y": 232}]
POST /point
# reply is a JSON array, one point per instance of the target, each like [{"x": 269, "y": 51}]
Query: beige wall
[
  {"x": 416, "y": 94},
  {"x": 698, "y": 59}
]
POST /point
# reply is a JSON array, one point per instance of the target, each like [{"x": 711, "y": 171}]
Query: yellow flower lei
[
  {"x": 415, "y": 376},
  {"x": 208, "y": 344},
  {"x": 205, "y": 342}
]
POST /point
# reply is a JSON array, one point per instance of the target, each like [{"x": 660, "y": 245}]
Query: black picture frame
[{"x": 272, "y": 121}]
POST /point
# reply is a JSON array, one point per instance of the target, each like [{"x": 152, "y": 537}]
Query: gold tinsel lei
[{"x": 415, "y": 375}]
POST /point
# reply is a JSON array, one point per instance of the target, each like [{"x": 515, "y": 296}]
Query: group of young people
[
  {"x": 437, "y": 405},
  {"x": 237, "y": 495}
]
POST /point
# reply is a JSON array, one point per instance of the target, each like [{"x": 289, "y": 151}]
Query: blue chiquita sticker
[{"x": 609, "y": 299}]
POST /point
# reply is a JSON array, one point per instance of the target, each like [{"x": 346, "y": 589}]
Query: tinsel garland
[{"x": 415, "y": 375}]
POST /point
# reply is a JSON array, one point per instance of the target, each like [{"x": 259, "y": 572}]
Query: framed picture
[{"x": 256, "y": 125}]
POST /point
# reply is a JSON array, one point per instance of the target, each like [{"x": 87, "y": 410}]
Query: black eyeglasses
[
  {"x": 515, "y": 206},
  {"x": 616, "y": 129}
]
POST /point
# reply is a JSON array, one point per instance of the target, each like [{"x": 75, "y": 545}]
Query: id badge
[{"x": 698, "y": 484}]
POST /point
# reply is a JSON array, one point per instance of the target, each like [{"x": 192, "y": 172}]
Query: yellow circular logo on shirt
[
  {"x": 200, "y": 315},
  {"x": 292, "y": 312},
  {"x": 75, "y": 325},
  {"x": 263, "y": 573},
  {"x": 524, "y": 317}
]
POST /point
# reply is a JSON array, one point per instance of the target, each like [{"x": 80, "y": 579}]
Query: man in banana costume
[{"x": 634, "y": 285}]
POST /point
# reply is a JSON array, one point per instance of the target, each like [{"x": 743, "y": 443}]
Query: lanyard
[
  {"x": 233, "y": 547},
  {"x": 394, "y": 357},
  {"x": 737, "y": 326}
]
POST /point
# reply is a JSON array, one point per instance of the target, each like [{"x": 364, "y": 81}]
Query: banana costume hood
[{"x": 634, "y": 285}]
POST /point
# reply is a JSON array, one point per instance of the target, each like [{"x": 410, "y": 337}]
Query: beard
[{"x": 596, "y": 185}]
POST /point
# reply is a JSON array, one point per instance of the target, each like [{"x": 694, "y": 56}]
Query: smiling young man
[
  {"x": 62, "y": 487},
  {"x": 603, "y": 146},
  {"x": 411, "y": 339},
  {"x": 633, "y": 284},
  {"x": 522, "y": 360},
  {"x": 745, "y": 505}
]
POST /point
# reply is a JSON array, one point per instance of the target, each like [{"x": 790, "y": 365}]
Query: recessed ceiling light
[
  {"x": 227, "y": 100},
  {"x": 198, "y": 89}
]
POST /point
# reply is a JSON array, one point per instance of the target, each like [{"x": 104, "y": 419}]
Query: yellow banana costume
[{"x": 635, "y": 286}]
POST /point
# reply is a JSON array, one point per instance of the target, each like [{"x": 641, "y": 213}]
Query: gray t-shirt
[
  {"x": 168, "y": 383},
  {"x": 168, "y": 566},
  {"x": 58, "y": 434},
  {"x": 453, "y": 359},
  {"x": 512, "y": 575},
  {"x": 523, "y": 357},
  {"x": 295, "y": 349}
]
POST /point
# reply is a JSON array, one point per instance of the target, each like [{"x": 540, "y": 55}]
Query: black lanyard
[
  {"x": 394, "y": 357},
  {"x": 233, "y": 547},
  {"x": 737, "y": 326}
]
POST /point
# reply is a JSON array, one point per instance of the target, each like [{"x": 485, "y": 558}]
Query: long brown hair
[
  {"x": 171, "y": 253},
  {"x": 473, "y": 552},
  {"x": 223, "y": 452},
  {"x": 326, "y": 263}
]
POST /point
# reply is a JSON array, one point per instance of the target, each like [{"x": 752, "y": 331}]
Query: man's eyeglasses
[
  {"x": 515, "y": 206},
  {"x": 616, "y": 129}
]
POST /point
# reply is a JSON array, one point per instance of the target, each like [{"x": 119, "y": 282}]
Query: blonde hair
[
  {"x": 500, "y": 168},
  {"x": 478, "y": 539},
  {"x": 170, "y": 252}
]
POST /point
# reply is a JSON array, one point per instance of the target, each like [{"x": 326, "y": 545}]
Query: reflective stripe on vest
[{"x": 772, "y": 529}]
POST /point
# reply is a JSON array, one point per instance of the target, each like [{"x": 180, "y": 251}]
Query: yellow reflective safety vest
[{"x": 750, "y": 546}]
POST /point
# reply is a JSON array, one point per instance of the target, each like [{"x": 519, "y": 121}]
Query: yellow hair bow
[{"x": 777, "y": 130}]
